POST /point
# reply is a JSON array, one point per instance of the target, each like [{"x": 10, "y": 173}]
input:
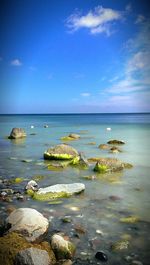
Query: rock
[
  {"x": 80, "y": 161},
  {"x": 29, "y": 222},
  {"x": 66, "y": 219},
  {"x": 100, "y": 255},
  {"x": 104, "y": 146},
  {"x": 62, "y": 248},
  {"x": 32, "y": 256},
  {"x": 61, "y": 152},
  {"x": 46, "y": 126},
  {"x": 66, "y": 262},
  {"x": 115, "y": 149},
  {"x": 116, "y": 142},
  {"x": 130, "y": 219},
  {"x": 32, "y": 185},
  {"x": 17, "y": 133},
  {"x": 114, "y": 198},
  {"x": 105, "y": 165},
  {"x": 58, "y": 191},
  {"x": 120, "y": 245},
  {"x": 74, "y": 136},
  {"x": 136, "y": 262},
  {"x": 80, "y": 229},
  {"x": 55, "y": 165},
  {"x": 92, "y": 143},
  {"x": 12, "y": 243}
]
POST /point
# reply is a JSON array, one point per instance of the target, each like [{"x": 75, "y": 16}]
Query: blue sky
[{"x": 71, "y": 56}]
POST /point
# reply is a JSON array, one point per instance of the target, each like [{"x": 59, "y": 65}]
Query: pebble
[
  {"x": 99, "y": 232},
  {"x": 101, "y": 256},
  {"x": 136, "y": 262}
]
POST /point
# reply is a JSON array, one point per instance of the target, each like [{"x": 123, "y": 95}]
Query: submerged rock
[
  {"x": 130, "y": 219},
  {"x": 74, "y": 136},
  {"x": 29, "y": 222},
  {"x": 17, "y": 133},
  {"x": 32, "y": 256},
  {"x": 115, "y": 149},
  {"x": 61, "y": 152},
  {"x": 62, "y": 248},
  {"x": 104, "y": 146},
  {"x": 120, "y": 245},
  {"x": 116, "y": 142},
  {"x": 58, "y": 191}
]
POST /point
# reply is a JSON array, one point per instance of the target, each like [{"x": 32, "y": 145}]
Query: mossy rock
[
  {"x": 100, "y": 168},
  {"x": 17, "y": 180},
  {"x": 120, "y": 245},
  {"x": 49, "y": 196},
  {"x": 67, "y": 138},
  {"x": 38, "y": 177},
  {"x": 130, "y": 219},
  {"x": 12, "y": 243},
  {"x": 117, "y": 142}
]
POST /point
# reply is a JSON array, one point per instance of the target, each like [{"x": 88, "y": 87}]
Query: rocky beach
[{"x": 67, "y": 195}]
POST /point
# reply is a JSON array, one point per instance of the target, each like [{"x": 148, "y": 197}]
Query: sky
[{"x": 73, "y": 56}]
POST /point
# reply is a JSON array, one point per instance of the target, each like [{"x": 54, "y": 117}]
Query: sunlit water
[{"x": 94, "y": 208}]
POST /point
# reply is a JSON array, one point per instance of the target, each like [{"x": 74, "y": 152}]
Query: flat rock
[
  {"x": 61, "y": 152},
  {"x": 105, "y": 165},
  {"x": 17, "y": 133},
  {"x": 58, "y": 191},
  {"x": 29, "y": 222}
]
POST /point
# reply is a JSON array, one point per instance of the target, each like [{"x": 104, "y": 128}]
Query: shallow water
[{"x": 94, "y": 209}]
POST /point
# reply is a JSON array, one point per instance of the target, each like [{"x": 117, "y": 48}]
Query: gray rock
[
  {"x": 32, "y": 256},
  {"x": 17, "y": 133},
  {"x": 61, "y": 152},
  {"x": 32, "y": 185},
  {"x": 74, "y": 135},
  {"x": 29, "y": 222}
]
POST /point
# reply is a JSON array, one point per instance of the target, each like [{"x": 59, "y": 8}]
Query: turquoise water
[{"x": 94, "y": 208}]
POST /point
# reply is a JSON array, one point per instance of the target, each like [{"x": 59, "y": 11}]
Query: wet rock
[
  {"x": 91, "y": 177},
  {"x": 29, "y": 222},
  {"x": 66, "y": 262},
  {"x": 61, "y": 152},
  {"x": 32, "y": 185},
  {"x": 62, "y": 248},
  {"x": 32, "y": 256},
  {"x": 17, "y": 133},
  {"x": 117, "y": 142},
  {"x": 100, "y": 255},
  {"x": 66, "y": 219},
  {"x": 114, "y": 198},
  {"x": 80, "y": 229},
  {"x": 80, "y": 161},
  {"x": 130, "y": 219},
  {"x": 74, "y": 136},
  {"x": 115, "y": 149},
  {"x": 92, "y": 143},
  {"x": 57, "y": 165},
  {"x": 136, "y": 262},
  {"x": 58, "y": 191},
  {"x": 120, "y": 245},
  {"x": 105, "y": 165},
  {"x": 12, "y": 243},
  {"x": 104, "y": 146},
  {"x": 27, "y": 160}
]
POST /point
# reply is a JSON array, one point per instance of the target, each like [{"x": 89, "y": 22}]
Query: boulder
[
  {"x": 74, "y": 135},
  {"x": 105, "y": 165},
  {"x": 12, "y": 243},
  {"x": 80, "y": 161},
  {"x": 32, "y": 256},
  {"x": 29, "y": 222},
  {"x": 115, "y": 149},
  {"x": 58, "y": 191},
  {"x": 62, "y": 248},
  {"x": 61, "y": 152},
  {"x": 116, "y": 142},
  {"x": 104, "y": 147},
  {"x": 17, "y": 133}
]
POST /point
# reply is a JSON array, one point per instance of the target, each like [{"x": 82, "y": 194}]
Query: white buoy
[
  {"x": 32, "y": 126},
  {"x": 108, "y": 129}
]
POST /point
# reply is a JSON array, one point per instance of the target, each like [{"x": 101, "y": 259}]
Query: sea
[{"x": 95, "y": 214}]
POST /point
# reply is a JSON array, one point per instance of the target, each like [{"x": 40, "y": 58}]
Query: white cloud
[
  {"x": 139, "y": 61},
  {"x": 97, "y": 21},
  {"x": 140, "y": 19},
  {"x": 16, "y": 62},
  {"x": 114, "y": 79},
  {"x": 85, "y": 94}
]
